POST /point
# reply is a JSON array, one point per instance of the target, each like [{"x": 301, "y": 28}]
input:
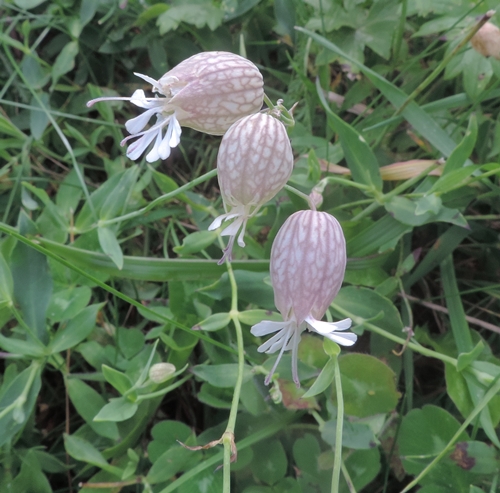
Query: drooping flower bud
[
  {"x": 487, "y": 41},
  {"x": 308, "y": 260},
  {"x": 161, "y": 372},
  {"x": 208, "y": 92},
  {"x": 254, "y": 163}
]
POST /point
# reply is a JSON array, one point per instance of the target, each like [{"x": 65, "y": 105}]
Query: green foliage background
[{"x": 106, "y": 266}]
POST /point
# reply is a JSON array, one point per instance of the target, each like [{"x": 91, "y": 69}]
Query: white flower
[
  {"x": 254, "y": 163},
  {"x": 207, "y": 92},
  {"x": 308, "y": 259}
]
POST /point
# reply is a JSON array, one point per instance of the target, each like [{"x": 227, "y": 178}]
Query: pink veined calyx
[
  {"x": 308, "y": 260},
  {"x": 208, "y": 92},
  {"x": 254, "y": 163}
]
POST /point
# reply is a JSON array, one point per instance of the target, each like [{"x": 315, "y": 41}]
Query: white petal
[
  {"x": 217, "y": 222},
  {"x": 176, "y": 132},
  {"x": 135, "y": 149},
  {"x": 135, "y": 125},
  {"x": 347, "y": 339},
  {"x": 164, "y": 149},
  {"x": 154, "y": 154},
  {"x": 153, "y": 82},
  {"x": 324, "y": 328},
  {"x": 266, "y": 327},
  {"x": 233, "y": 228}
]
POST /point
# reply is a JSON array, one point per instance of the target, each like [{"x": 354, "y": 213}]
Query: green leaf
[
  {"x": 405, "y": 211},
  {"x": 119, "y": 409},
  {"x": 39, "y": 119},
  {"x": 27, "y": 383},
  {"x": 58, "y": 220},
  {"x": 174, "y": 460},
  {"x": 199, "y": 15},
  {"x": 456, "y": 178},
  {"x": 323, "y": 381},
  {"x": 477, "y": 73},
  {"x": 253, "y": 317},
  {"x": 427, "y": 431},
  {"x": 82, "y": 450},
  {"x": 26, "y": 347},
  {"x": 87, "y": 403},
  {"x": 68, "y": 303},
  {"x": 216, "y": 321},
  {"x": 269, "y": 462},
  {"x": 65, "y": 61},
  {"x": 463, "y": 150},
  {"x": 77, "y": 329},
  {"x": 465, "y": 359},
  {"x": 368, "y": 385},
  {"x": 117, "y": 379},
  {"x": 115, "y": 202},
  {"x": 6, "y": 282},
  {"x": 358, "y": 154},
  {"x": 32, "y": 284},
  {"x": 154, "y": 269},
  {"x": 28, "y": 4},
  {"x": 195, "y": 242},
  {"x": 355, "y": 435},
  {"x": 110, "y": 246},
  {"x": 30, "y": 477},
  {"x": 165, "y": 435},
  {"x": 378, "y": 237},
  {"x": 221, "y": 375}
]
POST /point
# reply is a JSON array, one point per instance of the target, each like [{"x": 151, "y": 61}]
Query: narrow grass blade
[{"x": 415, "y": 115}]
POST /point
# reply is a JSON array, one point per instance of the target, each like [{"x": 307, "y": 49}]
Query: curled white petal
[
  {"x": 153, "y": 82},
  {"x": 329, "y": 329}
]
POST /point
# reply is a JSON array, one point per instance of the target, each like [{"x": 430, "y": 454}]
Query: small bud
[
  {"x": 308, "y": 260},
  {"x": 487, "y": 41},
  {"x": 208, "y": 92},
  {"x": 161, "y": 372},
  {"x": 254, "y": 163}
]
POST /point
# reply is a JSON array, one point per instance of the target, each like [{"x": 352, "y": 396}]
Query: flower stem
[
  {"x": 228, "y": 436},
  {"x": 337, "y": 461},
  {"x": 412, "y": 345},
  {"x": 302, "y": 196}
]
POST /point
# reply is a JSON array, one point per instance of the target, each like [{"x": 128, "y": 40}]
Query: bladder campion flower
[
  {"x": 308, "y": 259},
  {"x": 254, "y": 163},
  {"x": 208, "y": 92}
]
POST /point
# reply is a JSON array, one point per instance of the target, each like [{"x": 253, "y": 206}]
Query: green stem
[
  {"x": 445, "y": 62},
  {"x": 160, "y": 200},
  {"x": 481, "y": 405},
  {"x": 246, "y": 442},
  {"x": 164, "y": 391},
  {"x": 337, "y": 461},
  {"x": 228, "y": 437},
  {"x": 412, "y": 345},
  {"x": 348, "y": 479},
  {"x": 302, "y": 195}
]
